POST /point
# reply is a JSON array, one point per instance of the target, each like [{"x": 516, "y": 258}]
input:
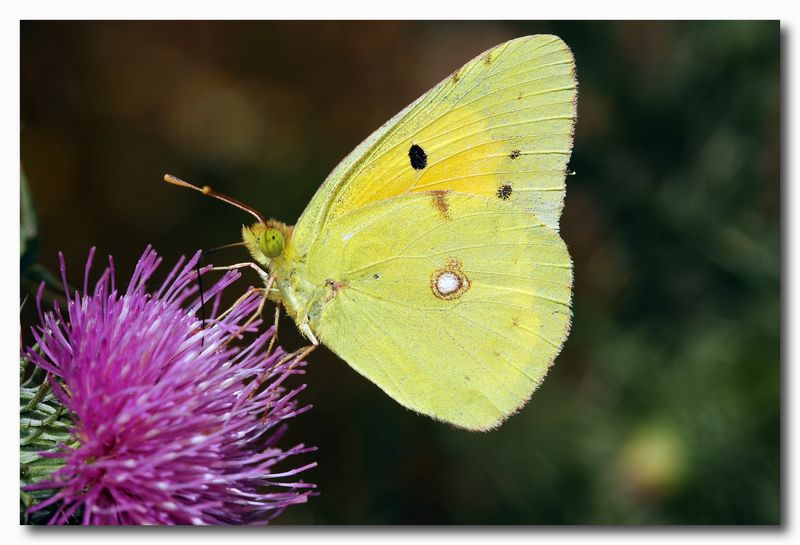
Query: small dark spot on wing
[
  {"x": 515, "y": 153},
  {"x": 418, "y": 157},
  {"x": 504, "y": 191}
]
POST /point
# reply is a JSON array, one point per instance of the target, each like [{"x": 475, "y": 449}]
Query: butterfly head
[{"x": 266, "y": 240}]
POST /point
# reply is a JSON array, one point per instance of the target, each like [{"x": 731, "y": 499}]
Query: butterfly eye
[{"x": 271, "y": 242}]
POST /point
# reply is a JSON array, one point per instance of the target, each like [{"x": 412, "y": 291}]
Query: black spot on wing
[
  {"x": 504, "y": 191},
  {"x": 419, "y": 159}
]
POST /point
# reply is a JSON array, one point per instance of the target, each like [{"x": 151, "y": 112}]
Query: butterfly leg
[
  {"x": 274, "y": 329},
  {"x": 295, "y": 357},
  {"x": 261, "y": 272},
  {"x": 269, "y": 281},
  {"x": 265, "y": 296},
  {"x": 266, "y": 290},
  {"x": 305, "y": 330}
]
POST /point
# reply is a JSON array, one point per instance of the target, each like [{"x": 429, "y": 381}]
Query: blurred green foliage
[{"x": 664, "y": 407}]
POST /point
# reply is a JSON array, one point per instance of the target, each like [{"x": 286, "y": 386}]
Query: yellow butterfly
[{"x": 429, "y": 259}]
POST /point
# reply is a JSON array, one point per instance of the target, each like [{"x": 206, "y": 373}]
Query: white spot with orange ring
[
  {"x": 447, "y": 283},
  {"x": 450, "y": 282}
]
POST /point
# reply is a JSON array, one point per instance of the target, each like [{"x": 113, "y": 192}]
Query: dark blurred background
[{"x": 664, "y": 406}]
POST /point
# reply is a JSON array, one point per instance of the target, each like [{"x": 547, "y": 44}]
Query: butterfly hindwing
[{"x": 453, "y": 304}]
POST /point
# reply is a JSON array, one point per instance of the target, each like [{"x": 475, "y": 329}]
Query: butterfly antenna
[
  {"x": 205, "y": 190},
  {"x": 203, "y": 255},
  {"x": 223, "y": 247}
]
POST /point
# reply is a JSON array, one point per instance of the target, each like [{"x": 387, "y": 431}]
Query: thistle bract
[{"x": 177, "y": 419}]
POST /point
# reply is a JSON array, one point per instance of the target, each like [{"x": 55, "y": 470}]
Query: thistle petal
[{"x": 166, "y": 430}]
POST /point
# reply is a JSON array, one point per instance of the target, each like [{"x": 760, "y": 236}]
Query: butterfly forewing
[{"x": 499, "y": 127}]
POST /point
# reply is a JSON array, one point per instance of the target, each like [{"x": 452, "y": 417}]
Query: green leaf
[
  {"x": 31, "y": 273},
  {"x": 44, "y": 426}
]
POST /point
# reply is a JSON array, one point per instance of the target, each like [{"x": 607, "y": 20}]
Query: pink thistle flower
[{"x": 171, "y": 426}]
